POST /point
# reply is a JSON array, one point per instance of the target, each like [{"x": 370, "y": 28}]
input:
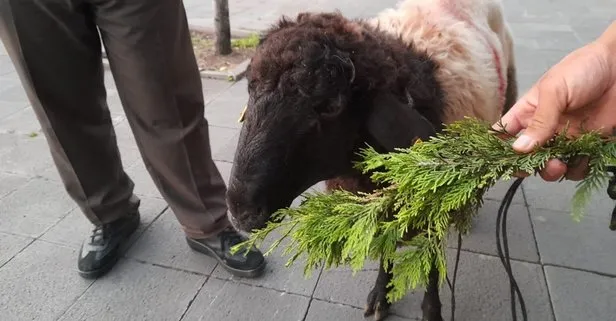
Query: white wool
[{"x": 463, "y": 51}]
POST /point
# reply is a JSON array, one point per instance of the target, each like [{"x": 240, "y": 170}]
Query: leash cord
[
  {"x": 452, "y": 285},
  {"x": 501, "y": 228},
  {"x": 503, "y": 249},
  {"x": 503, "y": 254}
]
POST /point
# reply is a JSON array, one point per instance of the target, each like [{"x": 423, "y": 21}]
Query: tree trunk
[{"x": 222, "y": 27}]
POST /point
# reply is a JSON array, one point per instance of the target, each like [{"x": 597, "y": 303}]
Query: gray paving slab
[
  {"x": 212, "y": 88},
  {"x": 482, "y": 292},
  {"x": 34, "y": 208},
  {"x": 9, "y": 81},
  {"x": 24, "y": 155},
  {"x": 257, "y": 15},
  {"x": 587, "y": 245},
  {"x": 327, "y": 311},
  {"x": 40, "y": 283},
  {"x": 545, "y": 36},
  {"x": 10, "y": 182},
  {"x": 51, "y": 173},
  {"x": 129, "y": 152},
  {"x": 230, "y": 301},
  {"x": 113, "y": 101},
  {"x": 6, "y": 65},
  {"x": 223, "y": 142},
  {"x": 526, "y": 79},
  {"x": 589, "y": 27},
  {"x": 73, "y": 229},
  {"x": 532, "y": 63},
  {"x": 11, "y": 76},
  {"x": 9, "y": 107},
  {"x": 277, "y": 276},
  {"x": 498, "y": 191},
  {"x": 10, "y": 245},
  {"x": 124, "y": 135},
  {"x": 578, "y": 295},
  {"x": 227, "y": 152},
  {"x": 136, "y": 291},
  {"x": 22, "y": 122},
  {"x": 343, "y": 286},
  {"x": 482, "y": 289},
  {"x": 544, "y": 31},
  {"x": 225, "y": 111},
  {"x": 164, "y": 244},
  {"x": 110, "y": 83},
  {"x": 14, "y": 93},
  {"x": 541, "y": 12},
  {"x": 144, "y": 185},
  {"x": 225, "y": 170},
  {"x": 557, "y": 196},
  {"x": 482, "y": 238}
]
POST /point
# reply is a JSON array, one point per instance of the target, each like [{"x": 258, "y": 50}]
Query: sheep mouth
[{"x": 255, "y": 219}]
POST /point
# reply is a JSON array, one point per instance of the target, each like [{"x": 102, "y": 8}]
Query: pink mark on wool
[{"x": 450, "y": 7}]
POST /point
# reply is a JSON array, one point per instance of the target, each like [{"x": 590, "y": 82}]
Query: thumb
[{"x": 548, "y": 99}]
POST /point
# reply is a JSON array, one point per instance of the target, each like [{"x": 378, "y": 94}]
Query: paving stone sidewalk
[{"x": 566, "y": 271}]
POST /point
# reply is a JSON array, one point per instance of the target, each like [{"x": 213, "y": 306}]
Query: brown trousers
[{"x": 56, "y": 48}]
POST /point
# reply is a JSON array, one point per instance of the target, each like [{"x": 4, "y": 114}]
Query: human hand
[{"x": 580, "y": 90}]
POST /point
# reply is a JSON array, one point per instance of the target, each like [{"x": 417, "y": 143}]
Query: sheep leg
[
  {"x": 511, "y": 95},
  {"x": 377, "y": 303},
  {"x": 431, "y": 304}
]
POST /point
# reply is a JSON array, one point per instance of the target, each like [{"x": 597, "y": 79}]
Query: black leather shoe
[
  {"x": 240, "y": 264},
  {"x": 100, "y": 252}
]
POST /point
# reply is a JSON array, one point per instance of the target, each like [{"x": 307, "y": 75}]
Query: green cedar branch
[{"x": 433, "y": 186}]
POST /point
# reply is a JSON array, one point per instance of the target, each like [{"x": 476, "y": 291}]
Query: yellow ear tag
[{"x": 241, "y": 120}]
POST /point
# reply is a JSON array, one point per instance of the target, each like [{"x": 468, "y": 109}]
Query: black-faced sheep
[{"x": 322, "y": 86}]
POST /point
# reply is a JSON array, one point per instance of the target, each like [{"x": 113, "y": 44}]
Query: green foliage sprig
[{"x": 431, "y": 187}]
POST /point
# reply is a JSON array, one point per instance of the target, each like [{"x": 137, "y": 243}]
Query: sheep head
[{"x": 315, "y": 98}]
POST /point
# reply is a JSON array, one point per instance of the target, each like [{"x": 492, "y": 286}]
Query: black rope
[
  {"x": 503, "y": 249},
  {"x": 503, "y": 254},
  {"x": 501, "y": 227},
  {"x": 452, "y": 286},
  {"x": 611, "y": 192}
]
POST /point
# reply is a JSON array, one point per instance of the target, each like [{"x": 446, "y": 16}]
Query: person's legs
[
  {"x": 151, "y": 56},
  {"x": 56, "y": 50}
]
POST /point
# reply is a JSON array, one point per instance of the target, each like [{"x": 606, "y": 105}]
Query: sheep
[{"x": 322, "y": 86}]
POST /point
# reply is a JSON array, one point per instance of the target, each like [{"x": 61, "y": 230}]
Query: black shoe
[
  {"x": 241, "y": 264},
  {"x": 100, "y": 252}
]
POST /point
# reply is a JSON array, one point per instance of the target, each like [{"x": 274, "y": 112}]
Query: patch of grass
[
  {"x": 200, "y": 41},
  {"x": 247, "y": 42}
]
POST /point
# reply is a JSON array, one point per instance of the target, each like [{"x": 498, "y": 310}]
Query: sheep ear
[{"x": 393, "y": 123}]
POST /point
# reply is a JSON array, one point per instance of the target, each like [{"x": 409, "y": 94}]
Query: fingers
[
  {"x": 521, "y": 174},
  {"x": 553, "y": 171},
  {"x": 551, "y": 100},
  {"x": 511, "y": 120},
  {"x": 518, "y": 115},
  {"x": 578, "y": 169}
]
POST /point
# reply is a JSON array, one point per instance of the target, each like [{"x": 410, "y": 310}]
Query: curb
[
  {"x": 235, "y": 33},
  {"x": 232, "y": 75}
]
